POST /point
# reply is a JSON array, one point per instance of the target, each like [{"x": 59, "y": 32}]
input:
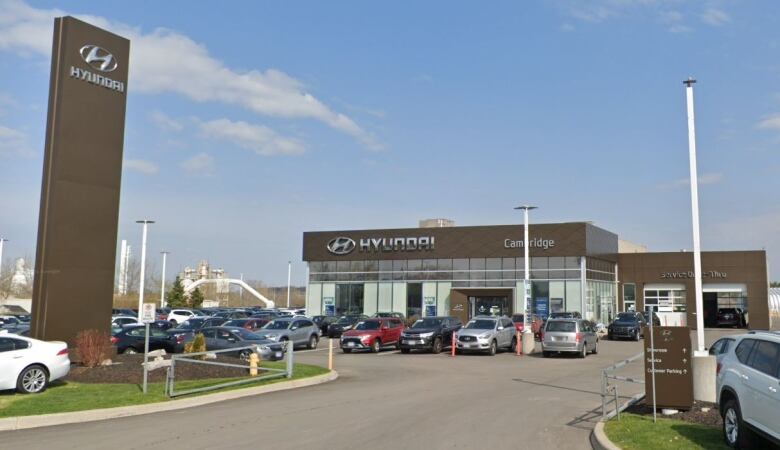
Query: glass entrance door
[{"x": 488, "y": 306}]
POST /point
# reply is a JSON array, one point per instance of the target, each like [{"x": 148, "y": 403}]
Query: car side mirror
[
  {"x": 294, "y": 328},
  {"x": 500, "y": 328}
]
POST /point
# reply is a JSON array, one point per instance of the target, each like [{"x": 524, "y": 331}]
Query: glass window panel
[
  {"x": 460, "y": 264},
  {"x": 572, "y": 262},
  {"x": 315, "y": 266},
  {"x": 429, "y": 264},
  {"x": 342, "y": 267},
  {"x": 477, "y": 264},
  {"x": 539, "y": 262},
  {"x": 399, "y": 269},
  {"x": 372, "y": 266},
  {"x": 414, "y": 265},
  {"x": 493, "y": 266},
  {"x": 556, "y": 262},
  {"x": 385, "y": 269}
]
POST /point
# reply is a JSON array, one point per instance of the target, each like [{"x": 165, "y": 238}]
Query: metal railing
[
  {"x": 609, "y": 390},
  {"x": 194, "y": 358}
]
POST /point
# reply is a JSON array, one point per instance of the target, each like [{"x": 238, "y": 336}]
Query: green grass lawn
[
  {"x": 635, "y": 432},
  {"x": 66, "y": 397}
]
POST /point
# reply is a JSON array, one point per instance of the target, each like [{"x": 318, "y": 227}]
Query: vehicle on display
[
  {"x": 487, "y": 334},
  {"x": 248, "y": 324},
  {"x": 748, "y": 389},
  {"x": 324, "y": 322},
  {"x": 223, "y": 338},
  {"x": 162, "y": 313},
  {"x": 720, "y": 348},
  {"x": 344, "y": 323},
  {"x": 130, "y": 339},
  {"x": 13, "y": 324},
  {"x": 569, "y": 336},
  {"x": 627, "y": 325},
  {"x": 536, "y": 324},
  {"x": 25, "y": 318},
  {"x": 124, "y": 320},
  {"x": 430, "y": 333},
  {"x": 122, "y": 312},
  {"x": 29, "y": 365},
  {"x": 229, "y": 315},
  {"x": 301, "y": 331},
  {"x": 373, "y": 334},
  {"x": 396, "y": 315},
  {"x": 732, "y": 317},
  {"x": 213, "y": 321},
  {"x": 177, "y": 316}
]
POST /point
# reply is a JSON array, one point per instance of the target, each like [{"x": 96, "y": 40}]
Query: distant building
[
  {"x": 437, "y": 223},
  {"x": 625, "y": 246}
]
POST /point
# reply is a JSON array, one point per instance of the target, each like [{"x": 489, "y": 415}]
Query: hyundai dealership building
[{"x": 474, "y": 270}]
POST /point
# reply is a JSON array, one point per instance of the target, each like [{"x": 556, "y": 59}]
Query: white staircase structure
[{"x": 191, "y": 287}]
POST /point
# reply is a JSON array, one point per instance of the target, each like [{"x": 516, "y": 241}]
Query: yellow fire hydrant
[{"x": 253, "y": 361}]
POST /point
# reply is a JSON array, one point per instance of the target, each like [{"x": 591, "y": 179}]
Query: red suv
[{"x": 373, "y": 334}]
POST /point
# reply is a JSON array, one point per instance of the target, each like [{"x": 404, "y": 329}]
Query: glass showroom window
[
  {"x": 349, "y": 299},
  {"x": 414, "y": 300},
  {"x": 629, "y": 297}
]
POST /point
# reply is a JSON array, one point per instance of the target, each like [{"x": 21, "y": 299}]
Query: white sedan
[{"x": 28, "y": 365}]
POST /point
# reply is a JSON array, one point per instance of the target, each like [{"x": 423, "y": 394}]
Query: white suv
[
  {"x": 177, "y": 316},
  {"x": 748, "y": 388}
]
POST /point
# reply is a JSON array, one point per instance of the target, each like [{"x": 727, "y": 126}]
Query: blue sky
[{"x": 305, "y": 116}]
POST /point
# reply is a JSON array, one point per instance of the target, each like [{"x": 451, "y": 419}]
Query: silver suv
[
  {"x": 487, "y": 334},
  {"x": 748, "y": 388},
  {"x": 299, "y": 330},
  {"x": 569, "y": 336}
]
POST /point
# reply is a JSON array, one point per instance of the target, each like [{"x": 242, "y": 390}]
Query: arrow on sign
[
  {"x": 685, "y": 371},
  {"x": 685, "y": 360},
  {"x": 685, "y": 350}
]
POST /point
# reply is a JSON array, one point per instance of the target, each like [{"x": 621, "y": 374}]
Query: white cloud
[
  {"x": 13, "y": 142},
  {"x": 165, "y": 122},
  {"x": 715, "y": 17},
  {"x": 260, "y": 139},
  {"x": 141, "y": 165},
  {"x": 166, "y": 61},
  {"x": 704, "y": 179},
  {"x": 202, "y": 164},
  {"x": 770, "y": 122}
]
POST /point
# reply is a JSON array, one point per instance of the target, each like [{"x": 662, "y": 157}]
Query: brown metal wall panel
[{"x": 77, "y": 229}]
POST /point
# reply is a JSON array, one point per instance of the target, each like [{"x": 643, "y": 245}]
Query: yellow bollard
[{"x": 253, "y": 360}]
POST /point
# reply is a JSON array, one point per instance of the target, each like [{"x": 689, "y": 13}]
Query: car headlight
[
  {"x": 426, "y": 335},
  {"x": 271, "y": 337},
  {"x": 484, "y": 336}
]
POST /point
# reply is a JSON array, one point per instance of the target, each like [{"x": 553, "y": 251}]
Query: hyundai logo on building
[
  {"x": 341, "y": 245},
  {"x": 98, "y": 57}
]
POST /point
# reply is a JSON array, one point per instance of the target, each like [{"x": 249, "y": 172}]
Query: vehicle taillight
[
  {"x": 579, "y": 337},
  {"x": 179, "y": 338},
  {"x": 114, "y": 340},
  {"x": 63, "y": 352}
]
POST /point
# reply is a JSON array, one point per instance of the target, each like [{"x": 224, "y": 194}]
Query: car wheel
[
  {"x": 313, "y": 342},
  {"x": 436, "y": 345},
  {"x": 32, "y": 380},
  {"x": 734, "y": 430},
  {"x": 346, "y": 350},
  {"x": 398, "y": 345},
  {"x": 129, "y": 351},
  {"x": 513, "y": 345},
  {"x": 596, "y": 348},
  {"x": 375, "y": 346},
  {"x": 405, "y": 351},
  {"x": 636, "y": 336},
  {"x": 493, "y": 348},
  {"x": 584, "y": 351}
]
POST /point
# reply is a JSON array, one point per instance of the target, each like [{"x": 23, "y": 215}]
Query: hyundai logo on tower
[{"x": 98, "y": 57}]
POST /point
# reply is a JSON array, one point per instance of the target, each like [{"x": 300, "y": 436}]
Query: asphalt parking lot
[{"x": 384, "y": 401}]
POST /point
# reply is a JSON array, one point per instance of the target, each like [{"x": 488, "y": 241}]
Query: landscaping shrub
[
  {"x": 93, "y": 347},
  {"x": 198, "y": 345}
]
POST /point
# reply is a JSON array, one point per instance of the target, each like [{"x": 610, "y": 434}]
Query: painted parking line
[{"x": 394, "y": 352}]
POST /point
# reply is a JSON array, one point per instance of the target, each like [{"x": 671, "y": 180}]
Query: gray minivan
[{"x": 569, "y": 336}]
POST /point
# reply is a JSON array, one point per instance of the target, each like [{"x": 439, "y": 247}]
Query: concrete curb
[
  {"x": 599, "y": 439},
  {"x": 46, "y": 420}
]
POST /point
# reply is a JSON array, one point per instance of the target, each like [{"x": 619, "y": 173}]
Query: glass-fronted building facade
[{"x": 465, "y": 271}]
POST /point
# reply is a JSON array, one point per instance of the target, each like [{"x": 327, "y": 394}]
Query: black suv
[
  {"x": 430, "y": 333},
  {"x": 627, "y": 325},
  {"x": 344, "y": 323},
  {"x": 324, "y": 322}
]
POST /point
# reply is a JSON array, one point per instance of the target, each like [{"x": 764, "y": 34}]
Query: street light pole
[
  {"x": 162, "y": 282},
  {"x": 528, "y": 339},
  {"x": 2, "y": 240},
  {"x": 143, "y": 267},
  {"x": 289, "y": 273},
  {"x": 700, "y": 350}
]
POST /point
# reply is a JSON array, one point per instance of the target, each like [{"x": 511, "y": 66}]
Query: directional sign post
[
  {"x": 668, "y": 374},
  {"x": 148, "y": 315}
]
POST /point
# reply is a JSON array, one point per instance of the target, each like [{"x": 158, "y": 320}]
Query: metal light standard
[
  {"x": 289, "y": 272},
  {"x": 2, "y": 240},
  {"x": 703, "y": 365},
  {"x": 143, "y": 266},
  {"x": 528, "y": 337},
  {"x": 162, "y": 283}
]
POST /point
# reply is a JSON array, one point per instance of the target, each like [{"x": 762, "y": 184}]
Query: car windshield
[
  {"x": 626, "y": 317},
  {"x": 562, "y": 326},
  {"x": 728, "y": 311},
  {"x": 517, "y": 318},
  {"x": 278, "y": 325},
  {"x": 369, "y": 325},
  {"x": 481, "y": 324},
  {"x": 346, "y": 320},
  {"x": 427, "y": 323},
  {"x": 560, "y": 315},
  {"x": 235, "y": 323}
]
